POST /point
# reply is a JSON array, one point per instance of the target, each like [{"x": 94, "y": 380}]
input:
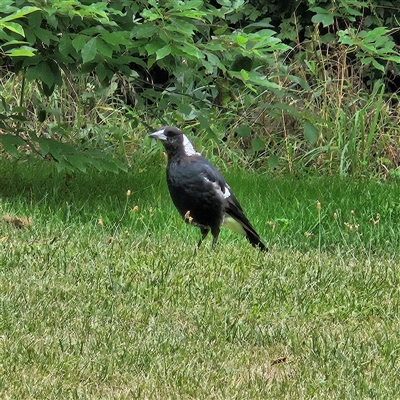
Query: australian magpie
[{"x": 200, "y": 192}]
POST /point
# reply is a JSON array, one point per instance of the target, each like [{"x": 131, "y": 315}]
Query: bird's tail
[
  {"x": 241, "y": 224},
  {"x": 254, "y": 239}
]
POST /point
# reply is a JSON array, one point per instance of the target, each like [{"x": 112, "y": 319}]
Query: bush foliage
[{"x": 308, "y": 84}]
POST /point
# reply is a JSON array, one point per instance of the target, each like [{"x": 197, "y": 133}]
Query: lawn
[{"x": 104, "y": 296}]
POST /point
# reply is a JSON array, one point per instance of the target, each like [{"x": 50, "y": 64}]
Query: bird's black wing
[
  {"x": 214, "y": 177},
  {"x": 231, "y": 204}
]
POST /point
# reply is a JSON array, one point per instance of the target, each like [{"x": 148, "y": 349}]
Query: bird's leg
[
  {"x": 215, "y": 233},
  {"x": 204, "y": 233}
]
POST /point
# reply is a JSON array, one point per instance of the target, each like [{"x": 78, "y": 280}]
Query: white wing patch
[
  {"x": 225, "y": 194},
  {"x": 188, "y": 147}
]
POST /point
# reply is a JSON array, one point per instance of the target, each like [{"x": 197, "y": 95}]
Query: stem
[{"x": 21, "y": 99}]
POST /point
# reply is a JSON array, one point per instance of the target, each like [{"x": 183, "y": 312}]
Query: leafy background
[{"x": 300, "y": 86}]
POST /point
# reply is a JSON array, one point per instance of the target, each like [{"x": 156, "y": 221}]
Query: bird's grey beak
[{"x": 158, "y": 135}]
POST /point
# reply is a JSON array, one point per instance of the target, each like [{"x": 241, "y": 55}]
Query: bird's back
[{"x": 192, "y": 190}]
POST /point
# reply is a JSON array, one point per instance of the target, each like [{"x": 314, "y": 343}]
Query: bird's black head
[
  {"x": 169, "y": 134},
  {"x": 174, "y": 141}
]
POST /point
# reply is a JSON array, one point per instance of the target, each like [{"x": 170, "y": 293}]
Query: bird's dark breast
[{"x": 191, "y": 193}]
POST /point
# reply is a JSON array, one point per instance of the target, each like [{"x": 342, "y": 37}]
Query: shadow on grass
[
  {"x": 40, "y": 183},
  {"x": 284, "y": 209}
]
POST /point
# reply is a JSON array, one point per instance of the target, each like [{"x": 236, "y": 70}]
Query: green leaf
[
  {"x": 43, "y": 72},
  {"x": 303, "y": 83},
  {"x": 226, "y": 3},
  {"x": 376, "y": 64},
  {"x": 310, "y": 133},
  {"x": 20, "y": 13},
  {"x": 153, "y": 46},
  {"x": 243, "y": 130},
  {"x": 79, "y": 42},
  {"x": 273, "y": 161},
  {"x": 13, "y": 27},
  {"x": 104, "y": 49},
  {"x": 163, "y": 52},
  {"x": 11, "y": 143},
  {"x": 327, "y": 38},
  {"x": 257, "y": 144},
  {"x": 323, "y": 16},
  {"x": 254, "y": 77},
  {"x": 116, "y": 39},
  {"x": 214, "y": 60},
  {"x": 205, "y": 124},
  {"x": 348, "y": 37},
  {"x": 102, "y": 72},
  {"x": 45, "y": 36},
  {"x": 145, "y": 30},
  {"x": 265, "y": 23},
  {"x": 373, "y": 34},
  {"x": 241, "y": 40},
  {"x": 23, "y": 51},
  {"x": 244, "y": 74},
  {"x": 48, "y": 90},
  {"x": 65, "y": 46},
  {"x": 185, "y": 109},
  {"x": 189, "y": 50},
  {"x": 78, "y": 161},
  {"x": 62, "y": 165},
  {"x": 189, "y": 5},
  {"x": 180, "y": 25},
  {"x": 149, "y": 15},
  {"x": 221, "y": 30},
  {"x": 89, "y": 51},
  {"x": 14, "y": 42},
  {"x": 19, "y": 110},
  {"x": 18, "y": 117},
  {"x": 324, "y": 19}
]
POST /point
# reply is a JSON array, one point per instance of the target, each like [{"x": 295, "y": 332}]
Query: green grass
[{"x": 126, "y": 309}]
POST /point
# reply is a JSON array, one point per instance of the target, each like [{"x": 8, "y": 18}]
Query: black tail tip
[
  {"x": 261, "y": 246},
  {"x": 255, "y": 241}
]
